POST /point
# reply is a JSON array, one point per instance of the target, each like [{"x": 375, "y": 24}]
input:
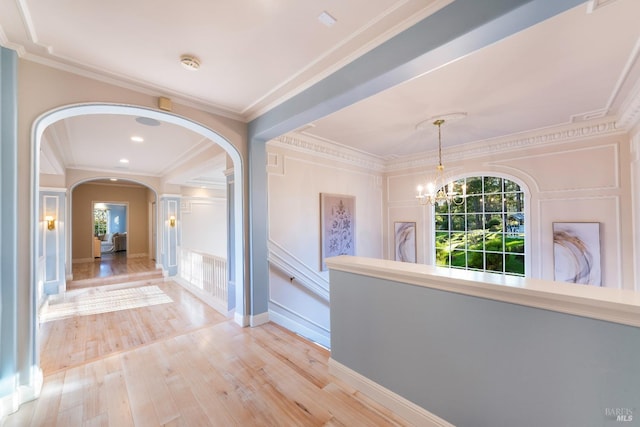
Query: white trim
[
  {"x": 286, "y": 262},
  {"x": 554, "y": 135},
  {"x": 173, "y": 209},
  {"x": 299, "y": 328},
  {"x": 329, "y": 150},
  {"x": 52, "y": 190},
  {"x": 298, "y": 315},
  {"x": 214, "y": 303},
  {"x": 240, "y": 319},
  {"x": 613, "y": 305},
  {"x": 56, "y": 234},
  {"x": 259, "y": 319},
  {"x": 22, "y": 394},
  {"x": 408, "y": 410},
  {"x": 593, "y": 5},
  {"x": 537, "y": 138}
]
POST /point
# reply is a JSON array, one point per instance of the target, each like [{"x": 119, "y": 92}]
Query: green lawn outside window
[{"x": 486, "y": 231}]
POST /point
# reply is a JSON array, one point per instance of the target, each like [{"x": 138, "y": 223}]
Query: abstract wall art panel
[
  {"x": 405, "y": 241},
  {"x": 576, "y": 252}
]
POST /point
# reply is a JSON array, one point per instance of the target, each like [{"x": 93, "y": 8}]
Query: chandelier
[{"x": 438, "y": 191}]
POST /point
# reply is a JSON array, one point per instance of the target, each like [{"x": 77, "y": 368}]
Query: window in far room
[
  {"x": 485, "y": 230},
  {"x": 100, "y": 221}
]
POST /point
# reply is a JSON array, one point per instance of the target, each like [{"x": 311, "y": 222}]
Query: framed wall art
[
  {"x": 405, "y": 241},
  {"x": 576, "y": 252},
  {"x": 337, "y": 226}
]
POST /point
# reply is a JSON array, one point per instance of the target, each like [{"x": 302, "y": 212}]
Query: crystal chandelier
[{"x": 438, "y": 192}]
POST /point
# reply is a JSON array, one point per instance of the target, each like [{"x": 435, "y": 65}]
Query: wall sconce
[
  {"x": 51, "y": 222},
  {"x": 172, "y": 221}
]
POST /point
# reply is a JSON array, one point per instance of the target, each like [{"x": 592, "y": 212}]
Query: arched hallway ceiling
[
  {"x": 164, "y": 150},
  {"x": 578, "y": 65}
]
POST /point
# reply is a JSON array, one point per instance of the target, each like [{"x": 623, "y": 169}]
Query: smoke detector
[{"x": 190, "y": 62}]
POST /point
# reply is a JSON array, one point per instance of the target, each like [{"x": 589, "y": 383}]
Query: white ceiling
[
  {"x": 253, "y": 53},
  {"x": 256, "y": 54},
  {"x": 564, "y": 70}
]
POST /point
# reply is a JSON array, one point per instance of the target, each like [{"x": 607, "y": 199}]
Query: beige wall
[
  {"x": 82, "y": 199},
  {"x": 42, "y": 89}
]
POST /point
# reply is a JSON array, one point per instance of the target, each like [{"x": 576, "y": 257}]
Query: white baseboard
[
  {"x": 396, "y": 403},
  {"x": 11, "y": 403},
  {"x": 299, "y": 329},
  {"x": 216, "y": 304},
  {"x": 241, "y": 319},
  {"x": 259, "y": 319}
]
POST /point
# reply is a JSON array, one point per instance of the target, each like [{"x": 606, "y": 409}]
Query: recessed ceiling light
[
  {"x": 147, "y": 121},
  {"x": 190, "y": 62},
  {"x": 327, "y": 19},
  {"x": 137, "y": 138},
  {"x": 113, "y": 179},
  {"x": 124, "y": 160}
]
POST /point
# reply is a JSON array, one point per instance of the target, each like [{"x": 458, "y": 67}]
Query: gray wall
[{"x": 477, "y": 362}]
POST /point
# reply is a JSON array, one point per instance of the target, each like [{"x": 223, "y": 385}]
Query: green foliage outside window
[
  {"x": 99, "y": 222},
  {"x": 486, "y": 231}
]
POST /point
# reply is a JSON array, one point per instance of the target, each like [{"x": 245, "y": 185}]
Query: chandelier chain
[{"x": 438, "y": 192}]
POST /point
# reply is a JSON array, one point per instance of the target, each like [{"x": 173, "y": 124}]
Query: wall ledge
[{"x": 613, "y": 305}]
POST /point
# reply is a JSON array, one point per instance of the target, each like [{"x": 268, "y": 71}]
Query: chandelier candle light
[{"x": 438, "y": 192}]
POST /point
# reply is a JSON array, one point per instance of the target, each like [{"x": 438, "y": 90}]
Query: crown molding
[
  {"x": 635, "y": 147},
  {"x": 630, "y": 116},
  {"x": 125, "y": 82},
  {"x": 409, "y": 12},
  {"x": 330, "y": 150},
  {"x": 593, "y": 5},
  {"x": 539, "y": 138}
]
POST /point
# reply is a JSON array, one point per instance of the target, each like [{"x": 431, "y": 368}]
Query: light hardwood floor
[
  {"x": 112, "y": 268},
  {"x": 184, "y": 364}
]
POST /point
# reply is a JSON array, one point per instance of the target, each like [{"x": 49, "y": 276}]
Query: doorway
[{"x": 110, "y": 222}]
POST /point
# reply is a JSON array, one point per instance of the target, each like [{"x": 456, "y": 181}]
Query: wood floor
[
  {"x": 112, "y": 268},
  {"x": 184, "y": 364}
]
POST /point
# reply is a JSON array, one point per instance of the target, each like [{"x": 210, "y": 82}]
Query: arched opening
[
  {"x": 115, "y": 225},
  {"x": 235, "y": 233}
]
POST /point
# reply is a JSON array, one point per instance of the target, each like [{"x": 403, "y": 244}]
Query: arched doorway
[
  {"x": 119, "y": 203},
  {"x": 235, "y": 203}
]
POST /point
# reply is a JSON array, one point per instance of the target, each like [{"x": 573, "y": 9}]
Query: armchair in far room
[
  {"x": 106, "y": 243},
  {"x": 119, "y": 242}
]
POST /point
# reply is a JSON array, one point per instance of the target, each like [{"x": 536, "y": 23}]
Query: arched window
[{"x": 483, "y": 231}]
